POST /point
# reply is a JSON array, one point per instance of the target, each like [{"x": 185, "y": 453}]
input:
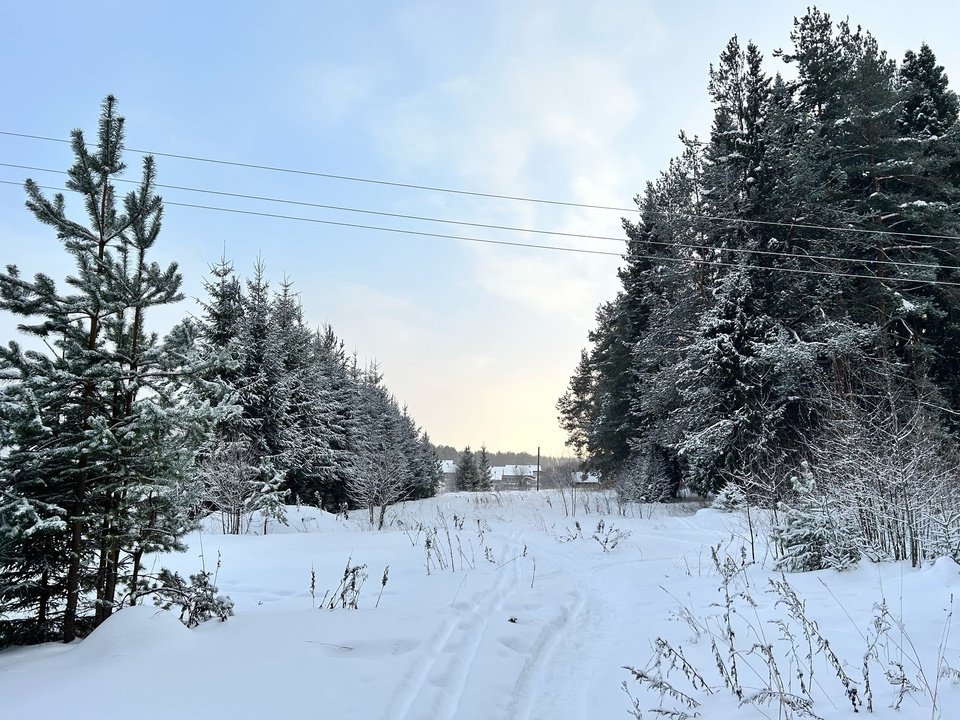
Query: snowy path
[{"x": 550, "y": 634}]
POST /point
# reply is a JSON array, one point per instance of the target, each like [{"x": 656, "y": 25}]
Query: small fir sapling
[
  {"x": 808, "y": 534},
  {"x": 730, "y": 499}
]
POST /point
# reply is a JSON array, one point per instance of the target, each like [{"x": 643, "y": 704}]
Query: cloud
[
  {"x": 377, "y": 319},
  {"x": 543, "y": 115},
  {"x": 547, "y": 118}
]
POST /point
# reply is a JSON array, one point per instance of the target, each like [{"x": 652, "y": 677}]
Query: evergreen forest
[
  {"x": 114, "y": 441},
  {"x": 787, "y": 329}
]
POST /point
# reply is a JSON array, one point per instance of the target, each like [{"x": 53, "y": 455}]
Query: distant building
[
  {"x": 513, "y": 477},
  {"x": 449, "y": 470},
  {"x": 587, "y": 481},
  {"x": 502, "y": 477}
]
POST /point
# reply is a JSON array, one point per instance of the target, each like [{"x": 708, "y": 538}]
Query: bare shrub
[
  {"x": 380, "y": 483},
  {"x": 232, "y": 483},
  {"x": 886, "y": 475}
]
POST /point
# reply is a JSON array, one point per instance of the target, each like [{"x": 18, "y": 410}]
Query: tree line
[
  {"x": 114, "y": 442},
  {"x": 791, "y": 287}
]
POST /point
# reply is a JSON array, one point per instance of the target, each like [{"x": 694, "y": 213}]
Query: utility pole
[{"x": 538, "y": 468}]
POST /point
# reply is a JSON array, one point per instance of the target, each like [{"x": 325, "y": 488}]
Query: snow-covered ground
[{"x": 510, "y": 611}]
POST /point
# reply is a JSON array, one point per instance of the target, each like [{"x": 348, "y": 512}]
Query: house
[
  {"x": 502, "y": 477},
  {"x": 449, "y": 470},
  {"x": 513, "y": 477},
  {"x": 586, "y": 481}
]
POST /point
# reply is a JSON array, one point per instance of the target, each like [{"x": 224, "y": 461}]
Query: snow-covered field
[{"x": 499, "y": 606}]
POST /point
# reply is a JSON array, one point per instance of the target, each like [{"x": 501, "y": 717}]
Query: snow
[{"x": 516, "y": 612}]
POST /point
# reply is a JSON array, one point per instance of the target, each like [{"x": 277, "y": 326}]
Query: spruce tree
[
  {"x": 929, "y": 107},
  {"x": 484, "y": 475},
  {"x": 337, "y": 423},
  {"x": 468, "y": 472}
]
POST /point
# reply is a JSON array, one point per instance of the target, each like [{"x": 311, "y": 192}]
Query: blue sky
[{"x": 570, "y": 101}]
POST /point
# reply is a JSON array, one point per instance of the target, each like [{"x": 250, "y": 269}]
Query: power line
[
  {"x": 341, "y": 208},
  {"x": 487, "y": 241},
  {"x": 497, "y": 196},
  {"x": 490, "y": 226},
  {"x": 347, "y": 178},
  {"x": 359, "y": 226}
]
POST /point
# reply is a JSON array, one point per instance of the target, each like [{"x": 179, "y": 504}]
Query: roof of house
[{"x": 499, "y": 471}]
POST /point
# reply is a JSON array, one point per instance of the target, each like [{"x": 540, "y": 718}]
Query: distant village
[{"x": 521, "y": 477}]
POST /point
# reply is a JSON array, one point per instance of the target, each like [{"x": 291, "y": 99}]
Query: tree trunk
[
  {"x": 73, "y": 570},
  {"x": 42, "y": 602},
  {"x": 135, "y": 575}
]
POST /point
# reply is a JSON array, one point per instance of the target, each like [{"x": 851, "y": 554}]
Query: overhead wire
[
  {"x": 488, "y": 241},
  {"x": 347, "y": 178},
  {"x": 510, "y": 228},
  {"x": 498, "y": 196}
]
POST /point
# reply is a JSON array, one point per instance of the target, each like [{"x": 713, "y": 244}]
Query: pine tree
[
  {"x": 820, "y": 64},
  {"x": 736, "y": 175},
  {"x": 100, "y": 428},
  {"x": 575, "y": 407}
]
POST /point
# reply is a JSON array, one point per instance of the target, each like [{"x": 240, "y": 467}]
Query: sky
[{"x": 565, "y": 101}]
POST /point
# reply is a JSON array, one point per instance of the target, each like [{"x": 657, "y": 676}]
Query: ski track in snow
[
  {"x": 440, "y": 679},
  {"x": 547, "y": 660},
  {"x": 562, "y": 628}
]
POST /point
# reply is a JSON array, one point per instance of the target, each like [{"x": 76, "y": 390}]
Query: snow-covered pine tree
[
  {"x": 34, "y": 492},
  {"x": 104, "y": 369},
  {"x": 821, "y": 65},
  {"x": 575, "y": 406}
]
